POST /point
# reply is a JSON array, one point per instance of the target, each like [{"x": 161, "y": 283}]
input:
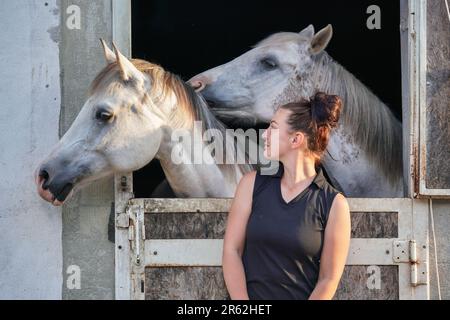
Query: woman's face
[{"x": 278, "y": 139}]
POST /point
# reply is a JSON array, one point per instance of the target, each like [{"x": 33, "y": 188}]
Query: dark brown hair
[{"x": 315, "y": 118}]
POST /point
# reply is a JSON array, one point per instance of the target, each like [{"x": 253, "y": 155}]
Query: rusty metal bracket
[
  {"x": 400, "y": 249},
  {"x": 405, "y": 251}
]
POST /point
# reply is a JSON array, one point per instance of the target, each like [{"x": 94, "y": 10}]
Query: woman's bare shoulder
[
  {"x": 249, "y": 176},
  {"x": 247, "y": 182}
]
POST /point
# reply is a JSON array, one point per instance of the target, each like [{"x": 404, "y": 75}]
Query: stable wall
[{"x": 30, "y": 229}]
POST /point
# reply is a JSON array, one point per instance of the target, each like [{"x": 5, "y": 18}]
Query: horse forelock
[{"x": 163, "y": 83}]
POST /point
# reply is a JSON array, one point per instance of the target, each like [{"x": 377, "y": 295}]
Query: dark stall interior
[{"x": 188, "y": 37}]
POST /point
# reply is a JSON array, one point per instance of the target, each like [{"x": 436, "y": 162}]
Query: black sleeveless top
[{"x": 284, "y": 241}]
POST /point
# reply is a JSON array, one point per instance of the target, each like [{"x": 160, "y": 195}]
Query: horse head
[
  {"x": 117, "y": 130},
  {"x": 276, "y": 71}
]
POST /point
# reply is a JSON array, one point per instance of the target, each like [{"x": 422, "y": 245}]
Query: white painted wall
[{"x": 30, "y": 229}]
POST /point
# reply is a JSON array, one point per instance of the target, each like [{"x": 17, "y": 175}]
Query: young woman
[{"x": 288, "y": 234}]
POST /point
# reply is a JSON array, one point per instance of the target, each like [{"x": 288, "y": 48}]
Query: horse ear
[
  {"x": 308, "y": 32},
  {"x": 109, "y": 55},
  {"x": 321, "y": 39},
  {"x": 127, "y": 69}
]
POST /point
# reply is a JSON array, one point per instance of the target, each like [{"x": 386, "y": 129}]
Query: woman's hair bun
[{"x": 325, "y": 109}]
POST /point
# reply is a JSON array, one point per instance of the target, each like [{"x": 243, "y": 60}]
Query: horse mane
[
  {"x": 372, "y": 124},
  {"x": 190, "y": 105}
]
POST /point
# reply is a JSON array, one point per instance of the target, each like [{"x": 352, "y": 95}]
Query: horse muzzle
[{"x": 54, "y": 189}]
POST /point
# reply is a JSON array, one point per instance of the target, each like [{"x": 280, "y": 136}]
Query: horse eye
[
  {"x": 268, "y": 63},
  {"x": 103, "y": 115}
]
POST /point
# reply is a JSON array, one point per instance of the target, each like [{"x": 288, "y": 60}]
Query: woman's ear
[{"x": 297, "y": 139}]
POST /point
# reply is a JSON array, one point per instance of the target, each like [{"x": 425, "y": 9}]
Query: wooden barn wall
[
  {"x": 438, "y": 96},
  {"x": 438, "y": 144}
]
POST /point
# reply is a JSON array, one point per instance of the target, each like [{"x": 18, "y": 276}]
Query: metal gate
[{"x": 172, "y": 249}]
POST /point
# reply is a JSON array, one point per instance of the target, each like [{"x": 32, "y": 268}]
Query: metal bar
[{"x": 208, "y": 252}]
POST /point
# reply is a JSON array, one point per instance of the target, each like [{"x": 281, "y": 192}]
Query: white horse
[
  {"x": 132, "y": 111},
  {"x": 364, "y": 153}
]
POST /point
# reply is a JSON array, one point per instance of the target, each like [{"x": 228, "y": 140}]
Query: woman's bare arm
[
  {"x": 234, "y": 240},
  {"x": 334, "y": 251}
]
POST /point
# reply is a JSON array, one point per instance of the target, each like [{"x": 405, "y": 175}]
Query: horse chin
[
  {"x": 57, "y": 203},
  {"x": 66, "y": 197},
  {"x": 58, "y": 200},
  {"x": 50, "y": 195}
]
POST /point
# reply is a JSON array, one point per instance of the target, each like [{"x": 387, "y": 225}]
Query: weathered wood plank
[
  {"x": 201, "y": 283},
  {"x": 374, "y": 224},
  {"x": 185, "y": 226},
  {"x": 212, "y": 225},
  {"x": 437, "y": 124},
  {"x": 191, "y": 205},
  {"x": 198, "y": 205},
  {"x": 368, "y": 283},
  {"x": 185, "y": 283}
]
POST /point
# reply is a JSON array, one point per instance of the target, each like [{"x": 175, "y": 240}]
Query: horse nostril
[
  {"x": 45, "y": 176},
  {"x": 198, "y": 85}
]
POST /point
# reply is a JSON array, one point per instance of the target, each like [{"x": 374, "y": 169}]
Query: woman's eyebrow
[{"x": 273, "y": 121}]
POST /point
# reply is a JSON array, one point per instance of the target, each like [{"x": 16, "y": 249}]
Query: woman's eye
[
  {"x": 103, "y": 115},
  {"x": 268, "y": 63}
]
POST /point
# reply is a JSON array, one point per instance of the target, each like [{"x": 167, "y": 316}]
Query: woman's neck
[{"x": 298, "y": 168}]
